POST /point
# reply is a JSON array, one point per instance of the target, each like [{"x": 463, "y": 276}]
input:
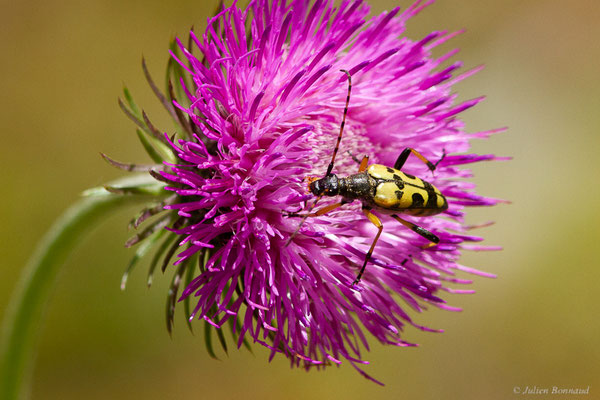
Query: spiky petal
[{"x": 266, "y": 104}]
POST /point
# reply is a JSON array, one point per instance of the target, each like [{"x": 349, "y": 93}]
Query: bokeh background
[{"x": 63, "y": 64}]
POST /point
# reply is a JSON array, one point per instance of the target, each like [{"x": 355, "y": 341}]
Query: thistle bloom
[{"x": 262, "y": 98}]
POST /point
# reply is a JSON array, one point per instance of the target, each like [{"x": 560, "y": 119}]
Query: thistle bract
[{"x": 259, "y": 98}]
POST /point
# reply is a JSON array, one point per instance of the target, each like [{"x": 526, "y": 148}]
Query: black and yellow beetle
[{"x": 387, "y": 190}]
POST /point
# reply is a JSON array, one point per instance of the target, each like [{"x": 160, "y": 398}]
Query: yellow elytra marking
[
  {"x": 379, "y": 171},
  {"x": 382, "y": 172},
  {"x": 385, "y": 195},
  {"x": 440, "y": 200},
  {"x": 400, "y": 197}
]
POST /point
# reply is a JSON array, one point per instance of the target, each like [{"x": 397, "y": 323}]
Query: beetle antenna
[
  {"x": 330, "y": 167},
  {"x": 339, "y": 139}
]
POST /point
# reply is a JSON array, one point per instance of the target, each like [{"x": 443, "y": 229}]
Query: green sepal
[
  {"x": 238, "y": 329},
  {"x": 130, "y": 167},
  {"x": 161, "y": 250},
  {"x": 129, "y": 99},
  {"x": 208, "y": 329},
  {"x": 221, "y": 337},
  {"x": 144, "y": 248},
  {"x": 156, "y": 225},
  {"x": 176, "y": 73},
  {"x": 170, "y": 253},
  {"x": 189, "y": 276},
  {"x": 150, "y": 144},
  {"x": 138, "y": 184},
  {"x": 172, "y": 294},
  {"x": 208, "y": 340},
  {"x": 161, "y": 97},
  {"x": 151, "y": 210},
  {"x": 154, "y": 137},
  {"x": 134, "y": 190}
]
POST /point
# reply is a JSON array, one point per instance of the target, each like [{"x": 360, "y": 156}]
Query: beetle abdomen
[{"x": 400, "y": 192}]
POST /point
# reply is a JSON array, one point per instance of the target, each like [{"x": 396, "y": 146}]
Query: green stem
[{"x": 23, "y": 316}]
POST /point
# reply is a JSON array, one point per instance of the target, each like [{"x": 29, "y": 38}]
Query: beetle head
[{"x": 328, "y": 185}]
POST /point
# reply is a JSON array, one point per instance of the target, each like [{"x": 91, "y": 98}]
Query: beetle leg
[
  {"x": 421, "y": 231},
  {"x": 320, "y": 212},
  {"x": 406, "y": 152},
  {"x": 363, "y": 164},
  {"x": 327, "y": 209},
  {"x": 373, "y": 218}
]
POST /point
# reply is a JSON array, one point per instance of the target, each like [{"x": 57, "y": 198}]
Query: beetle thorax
[{"x": 328, "y": 186}]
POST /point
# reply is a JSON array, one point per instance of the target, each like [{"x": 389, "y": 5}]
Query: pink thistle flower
[{"x": 264, "y": 99}]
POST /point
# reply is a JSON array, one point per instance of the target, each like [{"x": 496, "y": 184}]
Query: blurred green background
[{"x": 63, "y": 65}]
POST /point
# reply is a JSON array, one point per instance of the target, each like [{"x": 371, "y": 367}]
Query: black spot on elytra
[
  {"x": 409, "y": 176},
  {"x": 398, "y": 181},
  {"x": 399, "y": 194},
  {"x": 417, "y": 200},
  {"x": 390, "y": 170},
  {"x": 432, "y": 196}
]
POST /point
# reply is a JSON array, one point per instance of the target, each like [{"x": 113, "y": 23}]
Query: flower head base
[{"x": 260, "y": 111}]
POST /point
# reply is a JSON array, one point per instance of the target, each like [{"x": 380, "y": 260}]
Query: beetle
[{"x": 381, "y": 188}]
